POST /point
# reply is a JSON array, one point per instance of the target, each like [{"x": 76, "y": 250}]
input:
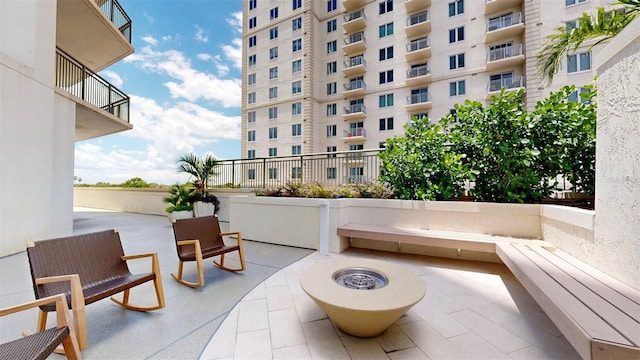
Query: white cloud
[
  {"x": 233, "y": 52},
  {"x": 168, "y": 131},
  {"x": 150, "y": 40},
  {"x": 205, "y": 57},
  {"x": 188, "y": 83},
  {"x": 112, "y": 77},
  {"x": 148, "y": 17},
  {"x": 236, "y": 21},
  {"x": 201, "y": 35}
]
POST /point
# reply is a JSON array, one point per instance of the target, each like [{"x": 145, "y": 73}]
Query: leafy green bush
[
  {"x": 180, "y": 198},
  {"x": 422, "y": 165},
  {"x": 316, "y": 190}
]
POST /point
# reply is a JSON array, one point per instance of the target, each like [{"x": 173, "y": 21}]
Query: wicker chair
[
  {"x": 41, "y": 344},
  {"x": 87, "y": 268},
  {"x": 200, "y": 238}
]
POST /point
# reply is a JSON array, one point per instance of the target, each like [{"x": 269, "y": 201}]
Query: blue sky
[{"x": 184, "y": 81}]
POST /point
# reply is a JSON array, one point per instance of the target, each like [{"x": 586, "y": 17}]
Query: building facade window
[
  {"x": 252, "y": 60},
  {"x": 575, "y": 95},
  {"x": 386, "y": 124},
  {"x": 273, "y": 133},
  {"x": 273, "y": 33},
  {"x": 297, "y": 4},
  {"x": 273, "y": 172},
  {"x": 332, "y": 130},
  {"x": 296, "y": 108},
  {"x": 385, "y": 6},
  {"x": 332, "y": 149},
  {"x": 386, "y": 77},
  {"x": 251, "y": 135},
  {"x": 251, "y": 117},
  {"x": 296, "y": 149},
  {"x": 296, "y": 172},
  {"x": 456, "y": 34},
  {"x": 386, "y": 53},
  {"x": 332, "y": 5},
  {"x": 252, "y": 22},
  {"x": 454, "y": 115},
  {"x": 273, "y": 73},
  {"x": 385, "y": 100},
  {"x": 296, "y": 45},
  {"x": 296, "y": 87},
  {"x": 251, "y": 79},
  {"x": 385, "y": 30},
  {"x": 332, "y": 67},
  {"x": 273, "y": 13},
  {"x": 456, "y": 61},
  {"x": 253, "y": 4},
  {"x": 251, "y": 98},
  {"x": 332, "y": 109},
  {"x": 273, "y": 151},
  {"x": 579, "y": 62},
  {"x": 296, "y": 66},
  {"x": 273, "y": 53},
  {"x": 331, "y": 173},
  {"x": 251, "y": 173},
  {"x": 252, "y": 41},
  {"x": 456, "y": 8},
  {"x": 573, "y": 2},
  {"x": 296, "y": 24},
  {"x": 273, "y": 93},
  {"x": 296, "y": 130},
  {"x": 273, "y": 112},
  {"x": 251, "y": 154},
  {"x": 332, "y": 88},
  {"x": 332, "y": 46},
  {"x": 457, "y": 88},
  {"x": 332, "y": 25}
]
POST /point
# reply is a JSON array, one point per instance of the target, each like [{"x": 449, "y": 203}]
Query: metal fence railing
[
  {"x": 79, "y": 81},
  {"x": 327, "y": 169},
  {"x": 114, "y": 12}
]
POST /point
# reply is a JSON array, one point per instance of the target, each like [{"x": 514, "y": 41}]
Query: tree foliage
[
  {"x": 508, "y": 153},
  {"x": 201, "y": 168}
]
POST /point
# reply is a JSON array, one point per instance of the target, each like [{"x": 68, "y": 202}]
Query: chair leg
[
  {"x": 199, "y": 268},
  {"x": 240, "y": 254},
  {"x": 42, "y": 320}
]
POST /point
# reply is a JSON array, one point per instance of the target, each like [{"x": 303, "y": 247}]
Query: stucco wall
[
  {"x": 616, "y": 248},
  {"x": 36, "y": 129}
]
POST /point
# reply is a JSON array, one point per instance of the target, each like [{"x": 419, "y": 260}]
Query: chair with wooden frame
[
  {"x": 200, "y": 238},
  {"x": 88, "y": 268},
  {"x": 41, "y": 344}
]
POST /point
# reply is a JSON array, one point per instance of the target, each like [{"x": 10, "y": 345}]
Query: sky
[{"x": 184, "y": 81}]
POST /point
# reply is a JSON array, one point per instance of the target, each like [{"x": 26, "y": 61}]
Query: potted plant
[
  {"x": 202, "y": 169},
  {"x": 179, "y": 199}
]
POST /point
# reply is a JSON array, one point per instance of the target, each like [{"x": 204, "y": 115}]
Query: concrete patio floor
[{"x": 471, "y": 310}]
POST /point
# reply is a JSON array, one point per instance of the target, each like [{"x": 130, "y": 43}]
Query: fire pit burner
[{"x": 360, "y": 278}]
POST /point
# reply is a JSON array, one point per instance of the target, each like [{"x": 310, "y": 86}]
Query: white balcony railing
[
  {"x": 502, "y": 22},
  {"x": 505, "y": 52}
]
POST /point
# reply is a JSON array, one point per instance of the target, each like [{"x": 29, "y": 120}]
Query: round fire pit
[{"x": 362, "y": 297}]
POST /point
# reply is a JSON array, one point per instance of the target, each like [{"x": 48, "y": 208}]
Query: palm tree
[
  {"x": 202, "y": 169},
  {"x": 603, "y": 26}
]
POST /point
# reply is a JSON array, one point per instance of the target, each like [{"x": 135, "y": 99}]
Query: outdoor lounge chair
[
  {"x": 200, "y": 238},
  {"x": 41, "y": 344}
]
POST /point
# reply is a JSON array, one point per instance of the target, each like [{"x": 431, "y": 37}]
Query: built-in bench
[
  {"x": 599, "y": 315},
  {"x": 87, "y": 268}
]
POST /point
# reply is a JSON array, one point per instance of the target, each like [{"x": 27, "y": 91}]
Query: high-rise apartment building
[{"x": 333, "y": 75}]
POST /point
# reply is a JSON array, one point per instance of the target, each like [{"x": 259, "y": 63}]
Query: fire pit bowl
[{"x": 362, "y": 297}]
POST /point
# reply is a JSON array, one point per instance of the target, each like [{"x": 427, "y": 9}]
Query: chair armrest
[
  {"x": 137, "y": 256},
  {"x": 155, "y": 265},
  {"x": 59, "y": 299},
  {"x": 77, "y": 295},
  {"x": 236, "y": 233},
  {"x": 187, "y": 242}
]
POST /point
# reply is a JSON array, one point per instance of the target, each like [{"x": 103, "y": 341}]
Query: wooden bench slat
[
  {"x": 559, "y": 304},
  {"x": 623, "y": 289},
  {"x": 594, "y": 295}
]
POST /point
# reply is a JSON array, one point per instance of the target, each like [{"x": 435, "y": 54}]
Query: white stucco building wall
[{"x": 616, "y": 246}]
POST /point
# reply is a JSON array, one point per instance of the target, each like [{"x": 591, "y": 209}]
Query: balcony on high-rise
[
  {"x": 354, "y": 111},
  {"x": 356, "y": 65},
  {"x": 355, "y": 88},
  {"x": 350, "y": 5},
  {"x": 413, "y": 6},
  {"x": 494, "y": 6},
  {"x": 354, "y": 22},
  {"x": 354, "y": 135},
  {"x": 419, "y": 100},
  {"x": 418, "y": 49},
  {"x": 505, "y": 80},
  {"x": 418, "y": 24},
  {"x": 504, "y": 27},
  {"x": 418, "y": 74},
  {"x": 355, "y": 44},
  {"x": 505, "y": 55}
]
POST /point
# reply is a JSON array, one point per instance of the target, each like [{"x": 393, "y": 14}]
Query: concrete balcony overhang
[
  {"x": 418, "y": 25},
  {"x": 356, "y": 115},
  {"x": 355, "y": 92},
  {"x": 354, "y": 136},
  {"x": 354, "y": 24},
  {"x": 418, "y": 80},
  {"x": 355, "y": 47},
  {"x": 418, "y": 55},
  {"x": 418, "y": 106},
  {"x": 508, "y": 62},
  {"x": 92, "y": 121},
  {"x": 416, "y": 5},
  {"x": 86, "y": 34},
  {"x": 353, "y": 4},
  {"x": 504, "y": 33},
  {"x": 494, "y": 6},
  {"x": 355, "y": 70},
  {"x": 490, "y": 94}
]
